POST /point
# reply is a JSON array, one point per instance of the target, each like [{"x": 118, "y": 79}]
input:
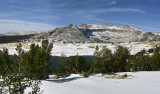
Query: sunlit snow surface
[
  {"x": 71, "y": 49},
  {"x": 136, "y": 83}
]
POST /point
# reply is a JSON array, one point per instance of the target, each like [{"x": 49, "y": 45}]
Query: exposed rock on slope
[
  {"x": 68, "y": 34},
  {"x": 111, "y": 33}
]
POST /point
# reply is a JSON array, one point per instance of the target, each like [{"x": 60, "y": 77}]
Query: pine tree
[
  {"x": 18, "y": 59},
  {"x": 37, "y": 60},
  {"x": 29, "y": 65},
  {"x": 5, "y": 70},
  {"x": 130, "y": 63},
  {"x": 120, "y": 56},
  {"x": 63, "y": 70},
  {"x": 81, "y": 65},
  {"x": 96, "y": 60},
  {"x": 155, "y": 61},
  {"x": 45, "y": 54},
  {"x": 5, "y": 61},
  {"x": 107, "y": 58},
  {"x": 12, "y": 75},
  {"x": 73, "y": 64},
  {"x": 102, "y": 61}
]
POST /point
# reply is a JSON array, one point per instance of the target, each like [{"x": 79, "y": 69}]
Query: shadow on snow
[{"x": 65, "y": 79}]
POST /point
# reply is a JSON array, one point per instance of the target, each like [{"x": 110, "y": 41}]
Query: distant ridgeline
[
  {"x": 14, "y": 38},
  {"x": 85, "y": 33}
]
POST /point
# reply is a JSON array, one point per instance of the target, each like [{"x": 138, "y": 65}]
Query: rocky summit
[{"x": 87, "y": 33}]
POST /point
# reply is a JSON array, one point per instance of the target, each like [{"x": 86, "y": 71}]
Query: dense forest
[{"x": 27, "y": 69}]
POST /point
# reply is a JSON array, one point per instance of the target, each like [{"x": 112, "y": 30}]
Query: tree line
[
  {"x": 104, "y": 61},
  {"x": 14, "y": 38}
]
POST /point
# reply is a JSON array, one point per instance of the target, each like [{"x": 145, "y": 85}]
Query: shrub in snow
[{"x": 125, "y": 75}]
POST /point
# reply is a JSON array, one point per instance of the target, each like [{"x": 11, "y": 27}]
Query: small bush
[
  {"x": 125, "y": 75},
  {"x": 151, "y": 50}
]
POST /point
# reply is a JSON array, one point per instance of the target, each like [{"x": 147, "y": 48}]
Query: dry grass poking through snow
[
  {"x": 71, "y": 49},
  {"x": 79, "y": 48},
  {"x": 118, "y": 76},
  {"x": 91, "y": 46},
  {"x": 114, "y": 74}
]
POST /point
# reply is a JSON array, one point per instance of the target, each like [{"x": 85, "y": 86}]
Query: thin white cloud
[
  {"x": 30, "y": 9},
  {"x": 113, "y": 10},
  {"x": 148, "y": 28},
  {"x": 18, "y": 25},
  {"x": 56, "y": 5},
  {"x": 113, "y": 2},
  {"x": 108, "y": 2},
  {"x": 91, "y": 19}
]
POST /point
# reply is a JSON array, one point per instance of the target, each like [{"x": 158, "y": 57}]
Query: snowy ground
[
  {"x": 136, "y": 83},
  {"x": 82, "y": 49}
]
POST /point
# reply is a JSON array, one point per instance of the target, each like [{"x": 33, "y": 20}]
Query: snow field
[
  {"x": 71, "y": 49},
  {"x": 137, "y": 83}
]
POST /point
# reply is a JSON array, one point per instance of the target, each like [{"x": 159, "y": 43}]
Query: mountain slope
[
  {"x": 85, "y": 33},
  {"x": 68, "y": 34},
  {"x": 111, "y": 33},
  {"x": 98, "y": 33}
]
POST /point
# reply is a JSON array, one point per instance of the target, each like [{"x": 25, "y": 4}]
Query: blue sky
[{"x": 35, "y": 15}]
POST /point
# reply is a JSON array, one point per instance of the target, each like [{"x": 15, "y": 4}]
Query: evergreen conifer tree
[{"x": 120, "y": 56}]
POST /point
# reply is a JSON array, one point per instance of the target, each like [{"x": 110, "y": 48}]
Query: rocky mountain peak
[
  {"x": 108, "y": 24},
  {"x": 71, "y": 26}
]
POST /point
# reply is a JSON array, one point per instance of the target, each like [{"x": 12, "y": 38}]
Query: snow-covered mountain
[
  {"x": 157, "y": 33},
  {"x": 111, "y": 33},
  {"x": 13, "y": 33},
  {"x": 97, "y": 33},
  {"x": 87, "y": 33}
]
